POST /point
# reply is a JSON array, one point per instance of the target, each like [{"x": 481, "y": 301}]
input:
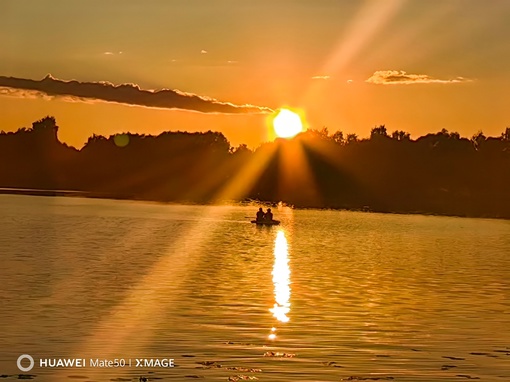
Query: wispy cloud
[
  {"x": 321, "y": 77},
  {"x": 23, "y": 93},
  {"x": 129, "y": 94},
  {"x": 399, "y": 77}
]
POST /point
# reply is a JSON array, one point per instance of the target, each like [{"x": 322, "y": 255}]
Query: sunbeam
[
  {"x": 372, "y": 16},
  {"x": 296, "y": 179},
  {"x": 247, "y": 176},
  {"x": 131, "y": 323}
]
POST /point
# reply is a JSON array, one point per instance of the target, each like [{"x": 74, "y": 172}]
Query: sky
[{"x": 227, "y": 65}]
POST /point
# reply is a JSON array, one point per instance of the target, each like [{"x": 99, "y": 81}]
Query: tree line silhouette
[{"x": 439, "y": 173}]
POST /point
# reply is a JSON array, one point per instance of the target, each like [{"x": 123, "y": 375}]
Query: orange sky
[{"x": 418, "y": 66}]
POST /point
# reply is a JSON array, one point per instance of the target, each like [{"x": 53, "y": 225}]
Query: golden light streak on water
[{"x": 281, "y": 279}]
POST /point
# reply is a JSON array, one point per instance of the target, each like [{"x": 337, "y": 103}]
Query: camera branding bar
[{"x": 93, "y": 362}]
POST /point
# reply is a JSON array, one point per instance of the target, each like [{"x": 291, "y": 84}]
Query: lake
[{"x": 325, "y": 296}]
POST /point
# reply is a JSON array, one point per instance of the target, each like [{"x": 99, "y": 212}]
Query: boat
[{"x": 263, "y": 222}]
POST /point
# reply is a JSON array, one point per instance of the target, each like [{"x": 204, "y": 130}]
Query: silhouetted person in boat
[
  {"x": 268, "y": 215},
  {"x": 260, "y": 215}
]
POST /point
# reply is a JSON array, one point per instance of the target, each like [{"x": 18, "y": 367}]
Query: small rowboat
[{"x": 262, "y": 222}]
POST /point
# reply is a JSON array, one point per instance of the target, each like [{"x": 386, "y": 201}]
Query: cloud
[
  {"x": 108, "y": 53},
  {"x": 399, "y": 77},
  {"x": 203, "y": 51},
  {"x": 22, "y": 93},
  {"x": 321, "y": 77},
  {"x": 129, "y": 94}
]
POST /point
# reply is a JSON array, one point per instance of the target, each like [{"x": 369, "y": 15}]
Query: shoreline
[
  {"x": 95, "y": 195},
  {"x": 41, "y": 192}
]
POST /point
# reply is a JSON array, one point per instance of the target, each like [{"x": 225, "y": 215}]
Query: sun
[{"x": 287, "y": 124}]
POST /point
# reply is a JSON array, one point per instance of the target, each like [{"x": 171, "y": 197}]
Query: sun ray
[
  {"x": 420, "y": 30},
  {"x": 329, "y": 152},
  {"x": 297, "y": 183},
  {"x": 241, "y": 182},
  {"x": 130, "y": 323},
  {"x": 371, "y": 17}
]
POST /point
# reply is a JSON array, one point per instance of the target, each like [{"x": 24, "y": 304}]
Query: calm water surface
[{"x": 326, "y": 296}]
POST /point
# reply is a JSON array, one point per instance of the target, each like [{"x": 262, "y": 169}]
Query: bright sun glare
[{"x": 287, "y": 124}]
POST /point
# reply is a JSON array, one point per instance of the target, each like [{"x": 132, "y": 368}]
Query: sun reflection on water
[{"x": 281, "y": 281}]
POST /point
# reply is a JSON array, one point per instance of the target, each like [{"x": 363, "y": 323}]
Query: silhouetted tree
[
  {"x": 454, "y": 135},
  {"x": 240, "y": 150},
  {"x": 478, "y": 139},
  {"x": 45, "y": 125},
  {"x": 322, "y": 134},
  {"x": 505, "y": 136},
  {"x": 338, "y": 137},
  {"x": 439, "y": 173},
  {"x": 379, "y": 131},
  {"x": 400, "y": 135},
  {"x": 351, "y": 138}
]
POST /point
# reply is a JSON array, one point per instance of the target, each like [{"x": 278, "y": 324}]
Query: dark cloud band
[{"x": 129, "y": 94}]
